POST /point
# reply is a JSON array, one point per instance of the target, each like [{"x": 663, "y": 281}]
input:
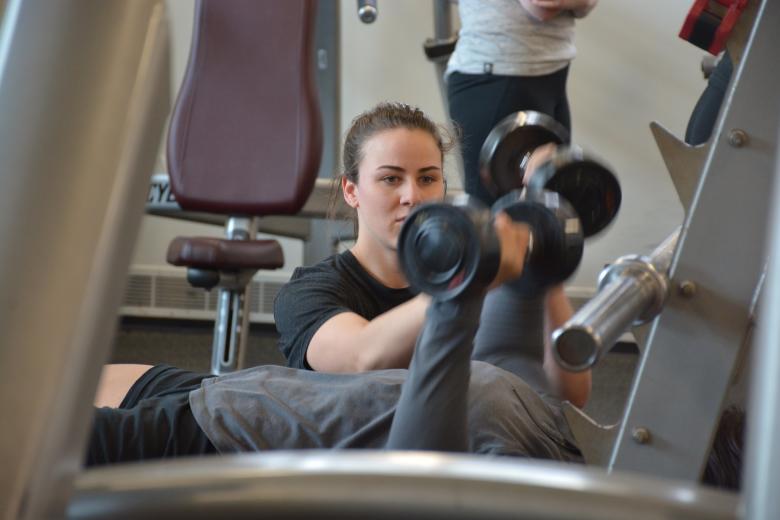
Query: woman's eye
[
  {"x": 390, "y": 179},
  {"x": 427, "y": 179}
]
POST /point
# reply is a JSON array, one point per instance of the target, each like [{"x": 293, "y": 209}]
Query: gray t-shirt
[
  {"x": 274, "y": 407},
  {"x": 501, "y": 37}
]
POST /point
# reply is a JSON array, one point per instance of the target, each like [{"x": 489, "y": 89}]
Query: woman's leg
[
  {"x": 149, "y": 417},
  {"x": 154, "y": 428},
  {"x": 116, "y": 381},
  {"x": 511, "y": 334},
  {"x": 432, "y": 410}
]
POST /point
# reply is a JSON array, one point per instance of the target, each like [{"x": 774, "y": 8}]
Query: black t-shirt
[{"x": 317, "y": 293}]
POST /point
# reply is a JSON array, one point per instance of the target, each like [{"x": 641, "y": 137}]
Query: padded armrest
[{"x": 222, "y": 254}]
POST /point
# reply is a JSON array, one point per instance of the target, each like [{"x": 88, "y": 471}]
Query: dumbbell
[
  {"x": 584, "y": 181},
  {"x": 557, "y": 238},
  {"x": 508, "y": 147},
  {"x": 448, "y": 249}
]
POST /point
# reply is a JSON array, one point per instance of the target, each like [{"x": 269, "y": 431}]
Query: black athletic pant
[
  {"x": 477, "y": 102},
  {"x": 153, "y": 421}
]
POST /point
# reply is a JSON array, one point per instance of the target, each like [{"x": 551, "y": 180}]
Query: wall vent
[
  {"x": 156, "y": 292},
  {"x": 163, "y": 292}
]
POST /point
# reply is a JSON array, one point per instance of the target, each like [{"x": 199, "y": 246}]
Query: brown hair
[
  {"x": 384, "y": 116},
  {"x": 724, "y": 463}
]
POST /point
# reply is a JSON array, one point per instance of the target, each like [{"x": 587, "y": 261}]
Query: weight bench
[{"x": 245, "y": 141}]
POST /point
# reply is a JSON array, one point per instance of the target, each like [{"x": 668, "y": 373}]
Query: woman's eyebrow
[
  {"x": 390, "y": 167},
  {"x": 395, "y": 168}
]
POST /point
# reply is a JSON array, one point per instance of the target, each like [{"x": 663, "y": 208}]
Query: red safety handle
[{"x": 726, "y": 24}]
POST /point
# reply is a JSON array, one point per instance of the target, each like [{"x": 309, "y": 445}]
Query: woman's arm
[
  {"x": 348, "y": 342},
  {"x": 571, "y": 386}
]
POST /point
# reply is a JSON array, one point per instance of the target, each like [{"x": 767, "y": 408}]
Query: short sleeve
[{"x": 308, "y": 300}]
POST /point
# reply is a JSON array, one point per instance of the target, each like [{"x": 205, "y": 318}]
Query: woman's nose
[{"x": 410, "y": 194}]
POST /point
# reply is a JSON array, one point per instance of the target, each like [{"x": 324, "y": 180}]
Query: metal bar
[
  {"x": 323, "y": 484},
  {"x": 231, "y": 327},
  {"x": 442, "y": 19},
  {"x": 83, "y": 101},
  {"x": 631, "y": 291}
]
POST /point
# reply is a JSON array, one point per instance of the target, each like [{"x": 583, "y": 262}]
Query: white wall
[{"x": 631, "y": 69}]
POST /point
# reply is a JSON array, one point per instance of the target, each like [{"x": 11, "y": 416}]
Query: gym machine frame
[{"x": 691, "y": 351}]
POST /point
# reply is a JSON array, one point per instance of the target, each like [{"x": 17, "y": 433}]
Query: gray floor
[{"x": 187, "y": 344}]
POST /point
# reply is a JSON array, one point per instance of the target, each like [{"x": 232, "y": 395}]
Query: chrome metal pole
[{"x": 631, "y": 291}]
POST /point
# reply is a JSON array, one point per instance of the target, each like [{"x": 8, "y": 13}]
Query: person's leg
[
  {"x": 511, "y": 334},
  {"x": 154, "y": 428},
  {"x": 116, "y": 381},
  {"x": 152, "y": 420},
  {"x": 474, "y": 101},
  {"x": 432, "y": 410},
  {"x": 562, "y": 114},
  {"x": 478, "y": 102},
  {"x": 161, "y": 380},
  {"x": 545, "y": 94}
]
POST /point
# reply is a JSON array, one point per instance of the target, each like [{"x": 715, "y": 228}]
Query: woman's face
[{"x": 400, "y": 169}]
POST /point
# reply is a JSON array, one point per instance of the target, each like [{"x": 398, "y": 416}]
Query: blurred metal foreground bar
[
  {"x": 384, "y": 485},
  {"x": 83, "y": 98}
]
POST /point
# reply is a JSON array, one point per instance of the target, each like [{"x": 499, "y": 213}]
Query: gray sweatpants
[{"x": 432, "y": 410}]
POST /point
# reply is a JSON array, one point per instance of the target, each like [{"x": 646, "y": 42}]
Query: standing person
[
  {"x": 511, "y": 55},
  {"x": 354, "y": 311}
]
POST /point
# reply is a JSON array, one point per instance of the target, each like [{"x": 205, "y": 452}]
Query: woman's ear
[{"x": 349, "y": 189}]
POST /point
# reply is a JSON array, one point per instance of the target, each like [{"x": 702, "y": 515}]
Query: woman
[
  {"x": 464, "y": 405},
  {"x": 444, "y": 401},
  {"x": 355, "y": 312}
]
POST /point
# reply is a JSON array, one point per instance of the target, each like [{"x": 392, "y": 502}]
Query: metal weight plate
[
  {"x": 446, "y": 249},
  {"x": 585, "y": 182},
  {"x": 508, "y": 144},
  {"x": 557, "y": 237}
]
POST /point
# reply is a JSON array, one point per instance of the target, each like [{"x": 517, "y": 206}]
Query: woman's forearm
[
  {"x": 571, "y": 386},
  {"x": 350, "y": 343}
]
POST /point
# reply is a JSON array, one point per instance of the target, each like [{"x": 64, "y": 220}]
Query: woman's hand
[
  {"x": 579, "y": 7},
  {"x": 513, "y": 238},
  {"x": 538, "y": 157}
]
